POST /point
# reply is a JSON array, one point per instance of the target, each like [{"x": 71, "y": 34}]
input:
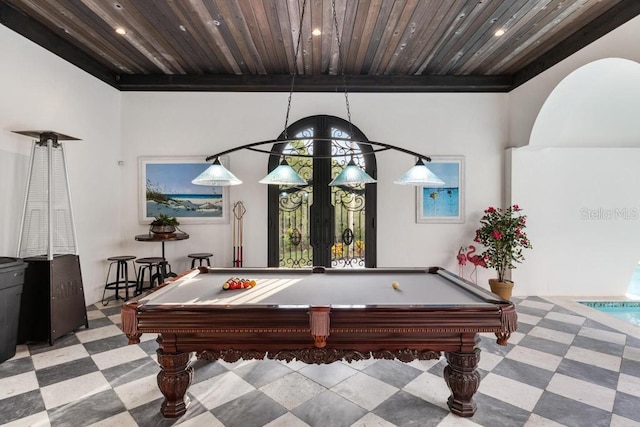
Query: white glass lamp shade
[
  {"x": 352, "y": 175},
  {"x": 283, "y": 175},
  {"x": 420, "y": 175},
  {"x": 216, "y": 175}
]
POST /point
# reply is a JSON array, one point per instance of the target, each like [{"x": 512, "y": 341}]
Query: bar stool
[
  {"x": 165, "y": 268},
  {"x": 148, "y": 264},
  {"x": 122, "y": 277},
  {"x": 200, "y": 257}
]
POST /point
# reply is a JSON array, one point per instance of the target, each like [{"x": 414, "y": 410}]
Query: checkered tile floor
[{"x": 568, "y": 365}]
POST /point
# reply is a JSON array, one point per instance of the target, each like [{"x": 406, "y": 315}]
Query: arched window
[{"x": 319, "y": 225}]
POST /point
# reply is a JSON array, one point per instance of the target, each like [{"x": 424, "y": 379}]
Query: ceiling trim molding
[
  {"x": 307, "y": 83},
  {"x": 607, "y": 22},
  {"x": 44, "y": 37}
]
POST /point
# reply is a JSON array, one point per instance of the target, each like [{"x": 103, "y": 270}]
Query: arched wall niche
[
  {"x": 577, "y": 182},
  {"x": 597, "y": 105}
]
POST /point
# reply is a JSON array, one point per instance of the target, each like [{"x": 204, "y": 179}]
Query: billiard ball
[{"x": 395, "y": 285}]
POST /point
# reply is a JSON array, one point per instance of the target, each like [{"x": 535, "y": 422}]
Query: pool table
[{"x": 319, "y": 316}]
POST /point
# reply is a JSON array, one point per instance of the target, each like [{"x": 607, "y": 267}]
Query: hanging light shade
[
  {"x": 352, "y": 175},
  {"x": 283, "y": 175},
  {"x": 216, "y": 175},
  {"x": 420, "y": 175}
]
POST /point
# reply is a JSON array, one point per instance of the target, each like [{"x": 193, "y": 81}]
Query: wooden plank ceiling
[{"x": 249, "y": 45}]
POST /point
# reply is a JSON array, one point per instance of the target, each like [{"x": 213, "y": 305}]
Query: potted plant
[
  {"x": 502, "y": 233},
  {"x": 164, "y": 224}
]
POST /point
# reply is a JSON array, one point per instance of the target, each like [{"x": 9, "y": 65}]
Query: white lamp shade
[
  {"x": 352, "y": 175},
  {"x": 420, "y": 175},
  {"x": 216, "y": 175},
  {"x": 283, "y": 175}
]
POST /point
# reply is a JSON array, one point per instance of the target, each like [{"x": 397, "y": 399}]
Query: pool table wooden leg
[
  {"x": 463, "y": 379},
  {"x": 173, "y": 380}
]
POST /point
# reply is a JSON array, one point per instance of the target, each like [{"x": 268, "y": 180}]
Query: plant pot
[
  {"x": 163, "y": 229},
  {"x": 502, "y": 289}
]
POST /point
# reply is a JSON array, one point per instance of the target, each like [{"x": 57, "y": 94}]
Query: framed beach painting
[
  {"x": 445, "y": 203},
  {"x": 166, "y": 188}
]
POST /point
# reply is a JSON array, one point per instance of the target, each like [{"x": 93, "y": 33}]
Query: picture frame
[
  {"x": 165, "y": 188},
  {"x": 443, "y": 204}
]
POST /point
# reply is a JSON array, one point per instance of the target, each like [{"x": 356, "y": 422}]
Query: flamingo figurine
[
  {"x": 477, "y": 261},
  {"x": 462, "y": 260}
]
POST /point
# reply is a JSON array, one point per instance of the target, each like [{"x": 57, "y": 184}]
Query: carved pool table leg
[
  {"x": 174, "y": 380},
  {"x": 463, "y": 379}
]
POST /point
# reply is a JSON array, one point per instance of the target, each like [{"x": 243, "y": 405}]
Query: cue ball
[{"x": 395, "y": 285}]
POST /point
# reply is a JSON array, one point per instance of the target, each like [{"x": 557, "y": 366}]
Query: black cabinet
[
  {"x": 11, "y": 281},
  {"x": 52, "y": 302}
]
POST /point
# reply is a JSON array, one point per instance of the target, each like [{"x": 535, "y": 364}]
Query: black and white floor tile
[{"x": 568, "y": 365}]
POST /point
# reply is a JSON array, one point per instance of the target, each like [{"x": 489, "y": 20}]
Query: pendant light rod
[
  {"x": 341, "y": 65},
  {"x": 251, "y": 146},
  {"x": 295, "y": 67}
]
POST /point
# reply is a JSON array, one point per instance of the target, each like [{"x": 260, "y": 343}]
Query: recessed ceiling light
[
  {"x": 499, "y": 33},
  {"x": 121, "y": 31},
  {"x": 316, "y": 32}
]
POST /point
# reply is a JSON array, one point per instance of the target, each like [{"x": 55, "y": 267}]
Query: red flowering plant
[{"x": 502, "y": 233}]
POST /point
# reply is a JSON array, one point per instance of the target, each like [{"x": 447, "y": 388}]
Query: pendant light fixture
[
  {"x": 351, "y": 176},
  {"x": 216, "y": 175},
  {"x": 284, "y": 175},
  {"x": 420, "y": 175}
]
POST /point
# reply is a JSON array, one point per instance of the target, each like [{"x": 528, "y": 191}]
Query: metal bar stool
[
  {"x": 203, "y": 256},
  {"x": 122, "y": 277},
  {"x": 148, "y": 264}
]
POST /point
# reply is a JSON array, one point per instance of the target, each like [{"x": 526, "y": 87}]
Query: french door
[{"x": 319, "y": 225}]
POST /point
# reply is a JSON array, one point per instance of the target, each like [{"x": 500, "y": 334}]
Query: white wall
[
  {"x": 595, "y": 106},
  {"x": 42, "y": 92},
  {"x": 583, "y": 219},
  {"x": 574, "y": 180},
  {"x": 201, "y": 124}
]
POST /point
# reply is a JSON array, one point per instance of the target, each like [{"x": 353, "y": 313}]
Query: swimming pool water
[{"x": 625, "y": 310}]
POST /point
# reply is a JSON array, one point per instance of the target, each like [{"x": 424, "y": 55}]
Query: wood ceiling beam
[{"x": 307, "y": 83}]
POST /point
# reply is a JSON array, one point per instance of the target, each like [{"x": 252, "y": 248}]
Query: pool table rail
[{"x": 335, "y": 326}]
